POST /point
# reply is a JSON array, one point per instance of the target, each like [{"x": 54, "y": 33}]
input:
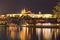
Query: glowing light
[
  {"x": 58, "y": 24},
  {"x": 38, "y": 24},
  {"x": 23, "y": 33},
  {"x": 47, "y": 16},
  {"x": 23, "y": 11},
  {"x": 39, "y": 33},
  {"x": 2, "y": 15},
  {"x": 20, "y": 15},
  {"x": 27, "y": 24},
  {"x": 47, "y": 33},
  {"x": 39, "y": 12},
  {"x": 24, "y": 28},
  {"x": 45, "y": 24},
  {"x": 10, "y": 15}
]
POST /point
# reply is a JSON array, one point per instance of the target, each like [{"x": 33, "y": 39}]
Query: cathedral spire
[{"x": 23, "y": 11}]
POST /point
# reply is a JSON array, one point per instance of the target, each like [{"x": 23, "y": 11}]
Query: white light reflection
[
  {"x": 45, "y": 24},
  {"x": 39, "y": 33},
  {"x": 24, "y": 28}
]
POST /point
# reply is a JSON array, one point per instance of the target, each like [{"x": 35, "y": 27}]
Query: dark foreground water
[{"x": 13, "y": 32}]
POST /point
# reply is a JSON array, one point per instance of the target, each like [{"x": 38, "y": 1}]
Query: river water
[{"x": 13, "y": 32}]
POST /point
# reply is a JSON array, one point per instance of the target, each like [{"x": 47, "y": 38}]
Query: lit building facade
[{"x": 30, "y": 26}]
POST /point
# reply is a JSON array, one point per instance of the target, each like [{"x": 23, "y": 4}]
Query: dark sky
[{"x": 15, "y": 6}]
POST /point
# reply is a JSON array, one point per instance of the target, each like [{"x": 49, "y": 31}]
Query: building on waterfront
[{"x": 30, "y": 26}]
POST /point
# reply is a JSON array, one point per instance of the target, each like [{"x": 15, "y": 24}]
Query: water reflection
[
  {"x": 14, "y": 32},
  {"x": 47, "y": 34},
  {"x": 23, "y": 33},
  {"x": 38, "y": 32}
]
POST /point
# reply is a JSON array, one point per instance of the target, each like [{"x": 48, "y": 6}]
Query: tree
[{"x": 56, "y": 10}]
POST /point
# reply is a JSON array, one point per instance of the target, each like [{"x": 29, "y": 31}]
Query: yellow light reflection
[
  {"x": 23, "y": 33},
  {"x": 47, "y": 33},
  {"x": 12, "y": 31}
]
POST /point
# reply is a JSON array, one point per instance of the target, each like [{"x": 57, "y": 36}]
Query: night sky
[{"x": 15, "y": 6}]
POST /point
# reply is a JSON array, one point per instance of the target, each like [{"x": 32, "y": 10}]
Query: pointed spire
[
  {"x": 39, "y": 12},
  {"x": 23, "y": 11}
]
